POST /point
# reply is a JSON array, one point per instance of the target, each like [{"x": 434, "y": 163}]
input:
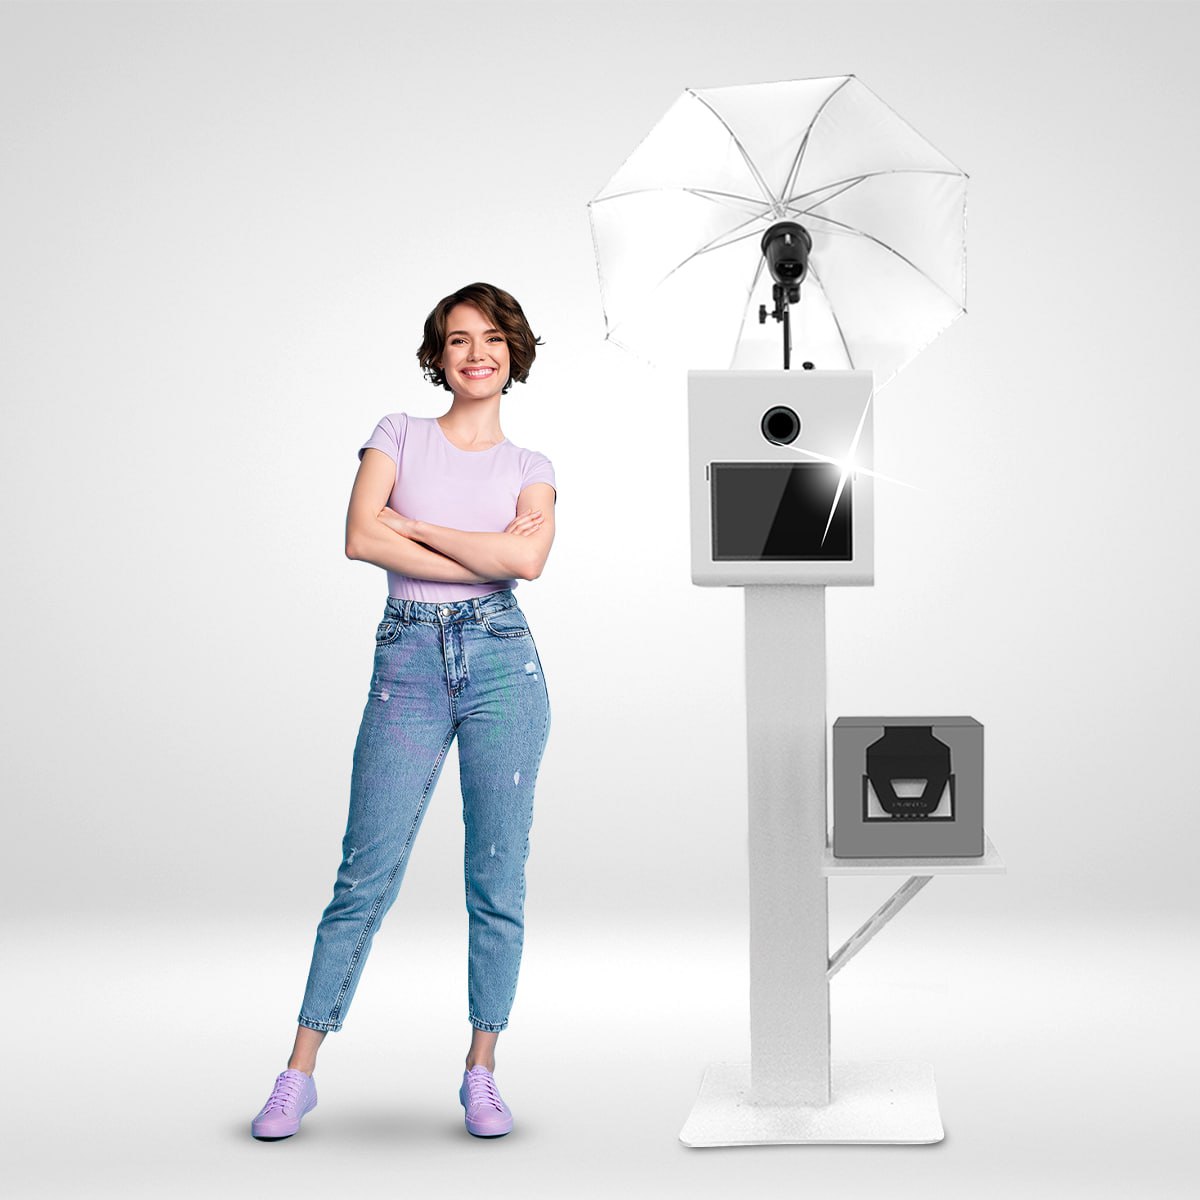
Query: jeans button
[{"x": 444, "y": 611}]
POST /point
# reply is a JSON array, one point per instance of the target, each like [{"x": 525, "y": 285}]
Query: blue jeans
[{"x": 465, "y": 667}]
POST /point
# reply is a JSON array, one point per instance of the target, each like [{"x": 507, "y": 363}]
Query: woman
[{"x": 453, "y": 657}]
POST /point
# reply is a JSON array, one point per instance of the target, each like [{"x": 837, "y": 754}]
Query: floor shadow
[
  {"x": 375, "y": 1126},
  {"x": 353, "y": 1124}
]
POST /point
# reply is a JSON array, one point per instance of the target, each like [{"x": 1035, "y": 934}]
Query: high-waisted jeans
[{"x": 467, "y": 668}]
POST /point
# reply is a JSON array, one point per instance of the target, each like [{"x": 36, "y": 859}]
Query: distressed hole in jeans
[
  {"x": 353, "y": 883},
  {"x": 530, "y": 668},
  {"x": 517, "y": 778}
]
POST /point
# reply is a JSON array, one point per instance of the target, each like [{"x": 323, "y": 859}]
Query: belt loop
[
  {"x": 407, "y": 614},
  {"x": 478, "y": 611}
]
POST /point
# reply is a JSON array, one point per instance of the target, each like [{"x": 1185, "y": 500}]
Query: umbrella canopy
[{"x": 678, "y": 228}]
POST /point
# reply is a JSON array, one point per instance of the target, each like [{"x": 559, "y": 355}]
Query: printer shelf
[{"x": 988, "y": 863}]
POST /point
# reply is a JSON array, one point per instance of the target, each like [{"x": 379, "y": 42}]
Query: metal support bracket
[{"x": 876, "y": 922}]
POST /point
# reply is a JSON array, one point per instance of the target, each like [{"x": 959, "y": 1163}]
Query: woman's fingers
[{"x": 526, "y": 523}]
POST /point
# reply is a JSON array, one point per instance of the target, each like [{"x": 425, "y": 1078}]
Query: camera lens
[{"x": 780, "y": 425}]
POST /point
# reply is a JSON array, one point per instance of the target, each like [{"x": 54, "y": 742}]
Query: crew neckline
[{"x": 438, "y": 426}]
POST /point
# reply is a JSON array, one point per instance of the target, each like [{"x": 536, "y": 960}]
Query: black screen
[{"x": 765, "y": 512}]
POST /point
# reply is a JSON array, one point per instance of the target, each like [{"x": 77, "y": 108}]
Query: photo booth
[
  {"x": 774, "y": 499},
  {"x": 782, "y": 505},
  {"x": 735, "y": 200}
]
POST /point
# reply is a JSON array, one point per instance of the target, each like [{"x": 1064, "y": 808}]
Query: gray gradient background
[{"x": 222, "y": 225}]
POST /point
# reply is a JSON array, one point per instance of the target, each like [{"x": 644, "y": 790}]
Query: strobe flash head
[{"x": 786, "y": 246}]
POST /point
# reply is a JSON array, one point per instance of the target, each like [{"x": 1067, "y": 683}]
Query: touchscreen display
[{"x": 765, "y": 512}]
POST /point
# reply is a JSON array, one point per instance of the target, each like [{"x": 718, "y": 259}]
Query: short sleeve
[
  {"x": 539, "y": 469},
  {"x": 388, "y": 436}
]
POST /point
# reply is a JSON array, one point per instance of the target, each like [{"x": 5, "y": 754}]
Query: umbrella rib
[
  {"x": 749, "y": 297},
  {"x": 704, "y": 250},
  {"x": 713, "y": 245},
  {"x": 851, "y": 180},
  {"x": 837, "y": 324},
  {"x": 762, "y": 183},
  {"x": 842, "y": 185},
  {"x": 710, "y": 193},
  {"x": 705, "y": 193},
  {"x": 600, "y": 273},
  {"x": 872, "y": 238},
  {"x": 791, "y": 175}
]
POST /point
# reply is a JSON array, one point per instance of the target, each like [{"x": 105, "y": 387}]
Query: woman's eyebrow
[{"x": 464, "y": 333}]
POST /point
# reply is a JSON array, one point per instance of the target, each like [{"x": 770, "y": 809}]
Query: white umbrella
[{"x": 678, "y": 228}]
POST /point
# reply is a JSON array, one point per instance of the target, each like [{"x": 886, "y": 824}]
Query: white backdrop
[{"x": 222, "y": 228}]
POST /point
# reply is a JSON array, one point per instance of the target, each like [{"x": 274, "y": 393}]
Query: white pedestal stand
[{"x": 789, "y": 1092}]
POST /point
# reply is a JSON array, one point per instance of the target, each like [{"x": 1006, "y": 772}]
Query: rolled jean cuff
[
  {"x": 489, "y": 1026},
  {"x": 322, "y": 1026}
]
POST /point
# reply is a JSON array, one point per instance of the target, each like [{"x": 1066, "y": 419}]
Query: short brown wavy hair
[{"x": 502, "y": 311}]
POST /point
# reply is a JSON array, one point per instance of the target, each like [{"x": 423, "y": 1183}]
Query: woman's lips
[{"x": 479, "y": 373}]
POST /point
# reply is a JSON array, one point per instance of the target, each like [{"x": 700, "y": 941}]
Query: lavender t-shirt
[{"x": 475, "y": 490}]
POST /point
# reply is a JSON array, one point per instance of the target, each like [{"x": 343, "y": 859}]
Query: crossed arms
[{"x": 379, "y": 535}]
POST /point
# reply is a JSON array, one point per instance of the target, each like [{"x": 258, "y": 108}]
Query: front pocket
[
  {"x": 507, "y": 623},
  {"x": 387, "y": 632}
]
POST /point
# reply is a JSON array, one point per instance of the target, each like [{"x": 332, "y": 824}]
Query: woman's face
[{"x": 475, "y": 356}]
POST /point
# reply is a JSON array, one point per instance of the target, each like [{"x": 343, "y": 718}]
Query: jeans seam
[
  {"x": 511, "y": 633},
  {"x": 528, "y": 827},
  {"x": 488, "y": 1026},
  {"x": 467, "y": 893},
  {"x": 323, "y": 1026}
]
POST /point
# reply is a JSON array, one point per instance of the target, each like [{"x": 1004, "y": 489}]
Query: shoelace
[
  {"x": 481, "y": 1089},
  {"x": 287, "y": 1092}
]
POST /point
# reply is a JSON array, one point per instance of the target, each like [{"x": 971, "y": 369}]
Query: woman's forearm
[
  {"x": 386, "y": 548},
  {"x": 493, "y": 555}
]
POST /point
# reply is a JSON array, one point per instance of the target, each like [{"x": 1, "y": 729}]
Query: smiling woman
[
  {"x": 502, "y": 315},
  {"x": 456, "y": 514}
]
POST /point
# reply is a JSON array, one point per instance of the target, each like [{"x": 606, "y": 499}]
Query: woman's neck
[{"x": 473, "y": 423}]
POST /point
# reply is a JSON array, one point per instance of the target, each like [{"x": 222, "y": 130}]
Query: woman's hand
[{"x": 526, "y": 523}]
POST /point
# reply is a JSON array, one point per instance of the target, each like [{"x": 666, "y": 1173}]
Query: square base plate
[{"x": 885, "y": 1102}]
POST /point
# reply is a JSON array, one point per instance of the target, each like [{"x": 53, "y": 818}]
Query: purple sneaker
[
  {"x": 294, "y": 1095},
  {"x": 487, "y": 1114}
]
